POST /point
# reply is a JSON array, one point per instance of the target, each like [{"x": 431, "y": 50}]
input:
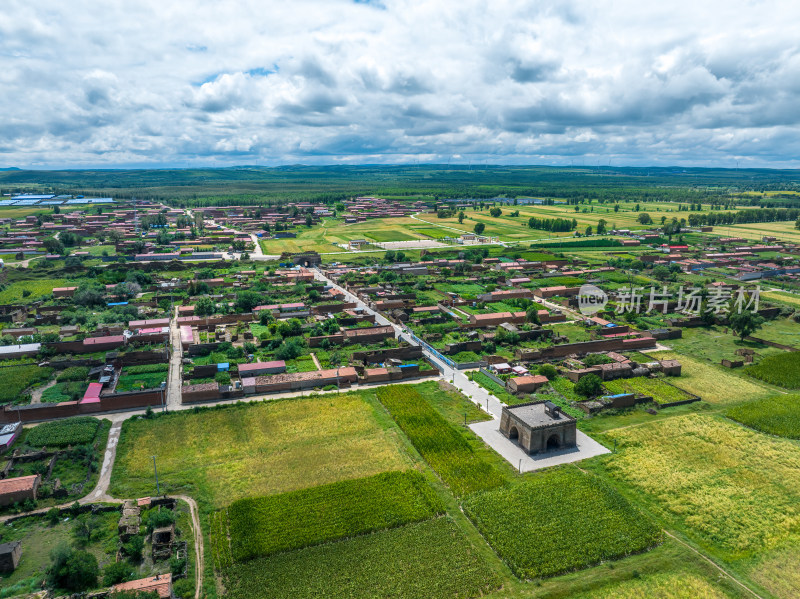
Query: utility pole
[{"x": 155, "y": 470}]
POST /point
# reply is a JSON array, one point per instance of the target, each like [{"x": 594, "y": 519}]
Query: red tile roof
[
  {"x": 161, "y": 584},
  {"x": 18, "y": 484}
]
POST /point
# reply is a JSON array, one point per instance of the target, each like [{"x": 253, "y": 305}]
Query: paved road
[
  {"x": 488, "y": 430},
  {"x": 175, "y": 364}
]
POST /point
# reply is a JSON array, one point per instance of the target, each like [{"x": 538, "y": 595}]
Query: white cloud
[{"x": 244, "y": 81}]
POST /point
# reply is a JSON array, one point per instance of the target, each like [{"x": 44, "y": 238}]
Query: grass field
[
  {"x": 778, "y": 415},
  {"x": 713, "y": 383},
  {"x": 784, "y": 231},
  {"x": 658, "y": 586},
  {"x": 730, "y": 488},
  {"x": 39, "y": 538},
  {"x": 15, "y": 292},
  {"x": 559, "y": 520},
  {"x": 221, "y": 455},
  {"x": 429, "y": 559},
  {"x": 713, "y": 345}
]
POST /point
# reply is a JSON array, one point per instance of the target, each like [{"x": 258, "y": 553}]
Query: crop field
[
  {"x": 661, "y": 391},
  {"x": 222, "y": 455},
  {"x": 262, "y": 526},
  {"x": 60, "y": 433},
  {"x": 730, "y": 487},
  {"x": 782, "y": 370},
  {"x": 508, "y": 227},
  {"x": 381, "y": 235},
  {"x": 434, "y": 232},
  {"x": 441, "y": 445},
  {"x": 132, "y": 382},
  {"x": 778, "y": 415},
  {"x": 792, "y": 299},
  {"x": 428, "y": 559},
  {"x": 559, "y": 520},
  {"x": 16, "y": 291},
  {"x": 784, "y": 231},
  {"x": 67, "y": 391},
  {"x": 658, "y": 586},
  {"x": 17, "y": 379},
  {"x": 712, "y": 383}
]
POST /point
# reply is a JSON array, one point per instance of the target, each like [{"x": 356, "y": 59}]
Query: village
[{"x": 119, "y": 315}]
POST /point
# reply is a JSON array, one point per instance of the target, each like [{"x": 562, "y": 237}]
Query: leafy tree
[
  {"x": 601, "y": 226},
  {"x": 53, "y": 516},
  {"x": 88, "y": 298},
  {"x": 204, "y": 307},
  {"x": 644, "y": 218},
  {"x": 133, "y": 548},
  {"x": 290, "y": 349},
  {"x": 247, "y": 300},
  {"x": 495, "y": 212},
  {"x": 479, "y": 228},
  {"x": 72, "y": 570},
  {"x": 661, "y": 272},
  {"x": 589, "y": 385},
  {"x": 53, "y": 245},
  {"x": 745, "y": 323},
  {"x": 532, "y": 314},
  {"x": 549, "y": 371},
  {"x": 117, "y": 572},
  {"x": 462, "y": 215}
]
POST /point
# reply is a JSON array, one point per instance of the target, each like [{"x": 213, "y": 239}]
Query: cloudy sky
[{"x": 232, "y": 82}]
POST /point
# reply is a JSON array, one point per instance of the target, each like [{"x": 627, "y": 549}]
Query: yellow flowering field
[{"x": 738, "y": 489}]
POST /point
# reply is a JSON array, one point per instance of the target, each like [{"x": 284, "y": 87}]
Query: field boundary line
[{"x": 713, "y": 563}]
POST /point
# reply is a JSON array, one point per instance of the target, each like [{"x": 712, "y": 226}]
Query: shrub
[
  {"x": 589, "y": 385},
  {"x": 133, "y": 548},
  {"x": 117, "y": 572},
  {"x": 549, "y": 371},
  {"x": 184, "y": 588},
  {"x": 73, "y": 373}
]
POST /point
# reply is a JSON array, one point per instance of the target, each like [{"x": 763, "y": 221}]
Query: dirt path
[
  {"x": 199, "y": 548},
  {"x": 36, "y": 394},
  {"x": 715, "y": 564},
  {"x": 316, "y": 361},
  {"x": 100, "y": 491}
]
